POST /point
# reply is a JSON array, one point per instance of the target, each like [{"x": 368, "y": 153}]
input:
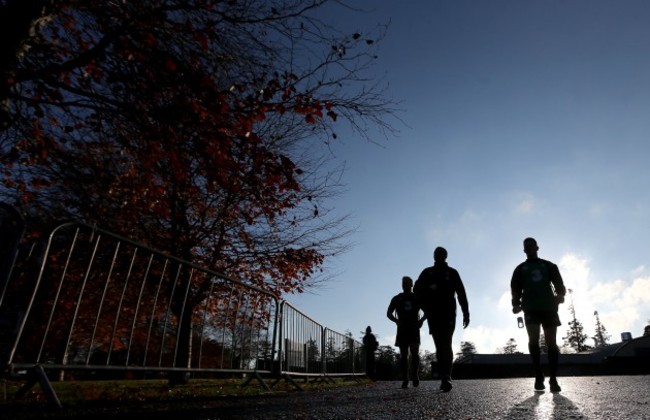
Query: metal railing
[
  {"x": 343, "y": 354},
  {"x": 309, "y": 349},
  {"x": 87, "y": 303}
]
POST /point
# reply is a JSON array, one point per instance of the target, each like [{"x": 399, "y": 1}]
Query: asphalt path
[{"x": 602, "y": 397}]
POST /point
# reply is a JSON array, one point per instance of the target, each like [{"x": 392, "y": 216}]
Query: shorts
[
  {"x": 545, "y": 318},
  {"x": 407, "y": 335},
  {"x": 441, "y": 326}
]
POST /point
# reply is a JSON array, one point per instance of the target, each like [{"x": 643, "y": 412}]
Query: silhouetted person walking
[
  {"x": 538, "y": 289},
  {"x": 370, "y": 345},
  {"x": 437, "y": 289},
  {"x": 408, "y": 321}
]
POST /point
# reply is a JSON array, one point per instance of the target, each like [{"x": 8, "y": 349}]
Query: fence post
[{"x": 12, "y": 229}]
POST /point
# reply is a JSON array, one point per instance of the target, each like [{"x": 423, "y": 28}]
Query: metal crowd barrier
[
  {"x": 87, "y": 303},
  {"x": 312, "y": 351},
  {"x": 92, "y": 304},
  {"x": 343, "y": 354},
  {"x": 12, "y": 229}
]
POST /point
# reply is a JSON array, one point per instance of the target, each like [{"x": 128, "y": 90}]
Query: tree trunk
[{"x": 183, "y": 356}]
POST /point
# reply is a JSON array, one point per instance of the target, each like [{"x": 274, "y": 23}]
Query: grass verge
[{"x": 131, "y": 398}]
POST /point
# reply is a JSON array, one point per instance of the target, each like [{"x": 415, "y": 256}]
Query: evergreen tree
[
  {"x": 467, "y": 348},
  {"x": 601, "y": 337},
  {"x": 511, "y": 347},
  {"x": 576, "y": 338}
]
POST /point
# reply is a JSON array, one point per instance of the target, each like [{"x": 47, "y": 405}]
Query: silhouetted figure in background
[
  {"x": 408, "y": 322},
  {"x": 437, "y": 289},
  {"x": 538, "y": 289},
  {"x": 370, "y": 345}
]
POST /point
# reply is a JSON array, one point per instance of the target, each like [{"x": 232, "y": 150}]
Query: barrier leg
[
  {"x": 257, "y": 376},
  {"x": 37, "y": 374}
]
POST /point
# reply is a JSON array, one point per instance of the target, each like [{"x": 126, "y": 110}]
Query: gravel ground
[{"x": 603, "y": 397}]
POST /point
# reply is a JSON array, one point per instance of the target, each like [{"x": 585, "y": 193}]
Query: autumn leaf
[{"x": 171, "y": 65}]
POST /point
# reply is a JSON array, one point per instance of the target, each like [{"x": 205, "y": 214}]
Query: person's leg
[
  {"x": 404, "y": 365},
  {"x": 553, "y": 356},
  {"x": 533, "y": 345},
  {"x": 448, "y": 355},
  {"x": 437, "y": 342},
  {"x": 553, "y": 350},
  {"x": 415, "y": 363},
  {"x": 370, "y": 365},
  {"x": 444, "y": 352},
  {"x": 533, "y": 331}
]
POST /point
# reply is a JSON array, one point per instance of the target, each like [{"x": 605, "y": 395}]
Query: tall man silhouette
[
  {"x": 537, "y": 289},
  {"x": 437, "y": 289}
]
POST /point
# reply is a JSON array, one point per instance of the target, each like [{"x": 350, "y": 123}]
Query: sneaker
[
  {"x": 539, "y": 383},
  {"x": 405, "y": 384},
  {"x": 446, "y": 385},
  {"x": 555, "y": 387}
]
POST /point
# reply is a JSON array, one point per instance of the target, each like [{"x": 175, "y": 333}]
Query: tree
[
  {"x": 196, "y": 124},
  {"x": 600, "y": 337},
  {"x": 646, "y": 329},
  {"x": 189, "y": 124},
  {"x": 576, "y": 338},
  {"x": 426, "y": 360},
  {"x": 387, "y": 355},
  {"x": 313, "y": 353},
  {"x": 543, "y": 348},
  {"x": 346, "y": 356},
  {"x": 511, "y": 347},
  {"x": 467, "y": 349}
]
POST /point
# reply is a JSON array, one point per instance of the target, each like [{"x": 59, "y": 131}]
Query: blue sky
[{"x": 522, "y": 118}]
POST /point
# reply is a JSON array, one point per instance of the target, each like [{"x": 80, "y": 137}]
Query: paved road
[{"x": 603, "y": 397}]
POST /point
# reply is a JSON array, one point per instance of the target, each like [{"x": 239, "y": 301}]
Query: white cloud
[
  {"x": 470, "y": 218},
  {"x": 638, "y": 271},
  {"x": 505, "y": 302},
  {"x": 490, "y": 340},
  {"x": 597, "y": 211},
  {"x": 636, "y": 295},
  {"x": 604, "y": 292},
  {"x": 389, "y": 340},
  {"x": 526, "y": 204},
  {"x": 621, "y": 304},
  {"x": 575, "y": 272},
  {"x": 470, "y": 226}
]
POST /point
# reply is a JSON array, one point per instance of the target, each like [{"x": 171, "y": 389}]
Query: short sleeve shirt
[{"x": 534, "y": 277}]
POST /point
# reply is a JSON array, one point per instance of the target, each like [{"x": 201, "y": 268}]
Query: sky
[{"x": 521, "y": 118}]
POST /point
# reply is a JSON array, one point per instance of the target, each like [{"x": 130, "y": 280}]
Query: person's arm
[
  {"x": 516, "y": 290},
  {"x": 462, "y": 300},
  {"x": 390, "y": 313},
  {"x": 422, "y": 319},
  {"x": 558, "y": 284},
  {"x": 418, "y": 289}
]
